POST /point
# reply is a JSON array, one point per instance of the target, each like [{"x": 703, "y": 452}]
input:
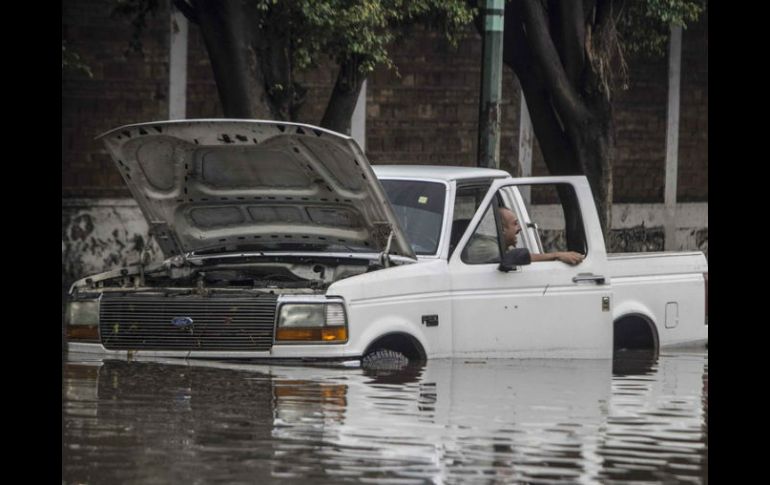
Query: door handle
[{"x": 598, "y": 279}]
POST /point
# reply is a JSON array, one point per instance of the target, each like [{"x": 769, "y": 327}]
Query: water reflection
[{"x": 495, "y": 421}]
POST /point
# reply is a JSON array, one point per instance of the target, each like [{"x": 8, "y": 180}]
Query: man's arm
[{"x": 568, "y": 257}]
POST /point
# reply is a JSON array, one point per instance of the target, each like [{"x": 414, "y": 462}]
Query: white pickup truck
[{"x": 282, "y": 242}]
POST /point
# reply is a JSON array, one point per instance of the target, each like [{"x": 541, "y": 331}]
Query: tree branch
[
  {"x": 339, "y": 110},
  {"x": 239, "y": 80},
  {"x": 603, "y": 51},
  {"x": 588, "y": 11},
  {"x": 564, "y": 96},
  {"x": 604, "y": 10},
  {"x": 187, "y": 10},
  {"x": 569, "y": 36},
  {"x": 554, "y": 144}
]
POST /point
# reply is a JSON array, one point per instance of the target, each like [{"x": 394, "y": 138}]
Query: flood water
[{"x": 640, "y": 418}]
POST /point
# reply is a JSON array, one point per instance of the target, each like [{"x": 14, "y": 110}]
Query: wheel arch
[
  {"x": 635, "y": 329},
  {"x": 403, "y": 342}
]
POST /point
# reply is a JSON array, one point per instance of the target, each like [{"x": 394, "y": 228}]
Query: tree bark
[
  {"x": 251, "y": 57},
  {"x": 273, "y": 44},
  {"x": 342, "y": 103},
  {"x": 557, "y": 151},
  {"x": 595, "y": 146},
  {"x": 227, "y": 36}
]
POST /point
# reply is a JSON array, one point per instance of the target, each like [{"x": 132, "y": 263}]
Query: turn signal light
[
  {"x": 325, "y": 334},
  {"x": 83, "y": 332}
]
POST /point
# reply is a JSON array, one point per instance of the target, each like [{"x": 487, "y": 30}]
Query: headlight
[
  {"x": 82, "y": 320},
  {"x": 324, "y": 322}
]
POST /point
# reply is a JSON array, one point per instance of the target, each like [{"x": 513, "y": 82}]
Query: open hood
[{"x": 243, "y": 185}]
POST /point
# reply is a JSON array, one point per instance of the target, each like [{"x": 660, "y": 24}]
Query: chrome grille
[{"x": 220, "y": 323}]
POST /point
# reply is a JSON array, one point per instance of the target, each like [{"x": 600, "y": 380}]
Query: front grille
[{"x": 221, "y": 323}]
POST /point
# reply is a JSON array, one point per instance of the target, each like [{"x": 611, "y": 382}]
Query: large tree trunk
[
  {"x": 595, "y": 145},
  {"x": 225, "y": 25},
  {"x": 553, "y": 54},
  {"x": 251, "y": 57},
  {"x": 342, "y": 103}
]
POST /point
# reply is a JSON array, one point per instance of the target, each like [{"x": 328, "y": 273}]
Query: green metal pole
[{"x": 491, "y": 85}]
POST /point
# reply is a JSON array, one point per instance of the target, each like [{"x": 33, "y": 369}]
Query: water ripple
[{"x": 495, "y": 421}]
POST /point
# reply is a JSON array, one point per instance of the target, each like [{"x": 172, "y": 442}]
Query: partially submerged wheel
[
  {"x": 384, "y": 359},
  {"x": 634, "y": 332}
]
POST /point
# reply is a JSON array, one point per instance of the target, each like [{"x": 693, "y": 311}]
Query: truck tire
[{"x": 384, "y": 359}]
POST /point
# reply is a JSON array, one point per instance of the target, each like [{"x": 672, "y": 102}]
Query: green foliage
[
  {"x": 363, "y": 30},
  {"x": 71, "y": 61},
  {"x": 644, "y": 26}
]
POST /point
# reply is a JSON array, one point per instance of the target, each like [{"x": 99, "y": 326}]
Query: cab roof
[{"x": 438, "y": 172}]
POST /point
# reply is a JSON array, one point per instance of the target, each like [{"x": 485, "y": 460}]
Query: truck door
[{"x": 543, "y": 309}]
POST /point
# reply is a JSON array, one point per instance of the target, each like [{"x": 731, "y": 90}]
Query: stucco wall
[
  {"x": 102, "y": 234},
  {"x": 637, "y": 227}
]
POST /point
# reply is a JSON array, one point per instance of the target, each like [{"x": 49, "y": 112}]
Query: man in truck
[
  {"x": 483, "y": 248},
  {"x": 511, "y": 229}
]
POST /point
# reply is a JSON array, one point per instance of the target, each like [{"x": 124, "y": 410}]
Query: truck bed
[
  {"x": 629, "y": 265},
  {"x": 666, "y": 288}
]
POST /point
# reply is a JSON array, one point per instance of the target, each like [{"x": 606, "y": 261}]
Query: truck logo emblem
[{"x": 181, "y": 322}]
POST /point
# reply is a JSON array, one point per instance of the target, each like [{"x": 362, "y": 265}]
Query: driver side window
[
  {"x": 543, "y": 218},
  {"x": 484, "y": 245}
]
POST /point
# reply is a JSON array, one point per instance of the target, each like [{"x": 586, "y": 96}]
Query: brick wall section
[
  {"x": 640, "y": 133},
  {"x": 429, "y": 115},
  {"x": 425, "y": 115},
  {"x": 124, "y": 89},
  {"x": 640, "y": 115},
  {"x": 202, "y": 97},
  {"x": 694, "y": 119}
]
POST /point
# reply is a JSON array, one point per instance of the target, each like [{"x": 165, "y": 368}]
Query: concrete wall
[
  {"x": 636, "y": 227},
  {"x": 101, "y": 234}
]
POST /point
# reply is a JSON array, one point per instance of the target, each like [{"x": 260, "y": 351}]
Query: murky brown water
[{"x": 451, "y": 421}]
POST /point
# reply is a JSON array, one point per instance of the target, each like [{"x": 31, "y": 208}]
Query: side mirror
[{"x": 513, "y": 258}]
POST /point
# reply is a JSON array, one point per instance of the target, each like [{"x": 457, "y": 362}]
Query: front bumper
[{"x": 323, "y": 352}]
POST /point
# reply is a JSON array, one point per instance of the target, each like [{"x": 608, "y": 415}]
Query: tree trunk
[
  {"x": 342, "y": 103},
  {"x": 273, "y": 44},
  {"x": 251, "y": 57},
  {"x": 550, "y": 49},
  {"x": 239, "y": 78},
  {"x": 594, "y": 145}
]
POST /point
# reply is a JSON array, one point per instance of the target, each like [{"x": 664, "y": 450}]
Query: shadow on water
[
  {"x": 634, "y": 362},
  {"x": 502, "y": 421}
]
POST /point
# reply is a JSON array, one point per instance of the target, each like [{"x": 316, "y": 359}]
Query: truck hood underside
[{"x": 235, "y": 185}]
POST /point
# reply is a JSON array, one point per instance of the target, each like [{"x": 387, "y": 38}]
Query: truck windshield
[{"x": 419, "y": 207}]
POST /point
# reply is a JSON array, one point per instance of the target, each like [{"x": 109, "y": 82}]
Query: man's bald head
[{"x": 511, "y": 226}]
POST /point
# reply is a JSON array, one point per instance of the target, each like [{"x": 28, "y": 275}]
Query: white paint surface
[
  {"x": 672, "y": 134},
  {"x": 526, "y": 137},
  {"x": 358, "y": 123},
  {"x": 177, "y": 90}
]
